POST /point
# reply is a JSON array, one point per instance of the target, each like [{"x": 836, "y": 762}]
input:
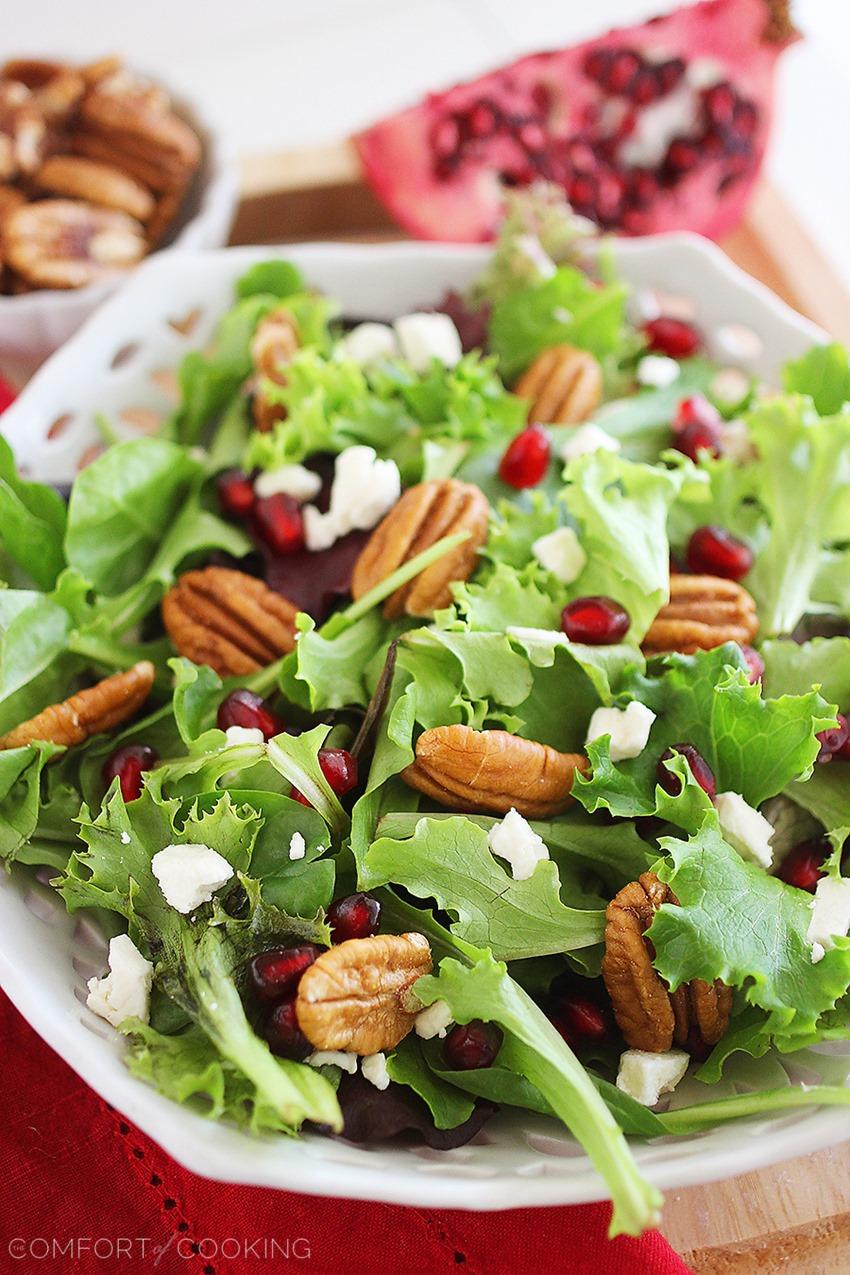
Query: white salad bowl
[{"x": 119, "y": 364}]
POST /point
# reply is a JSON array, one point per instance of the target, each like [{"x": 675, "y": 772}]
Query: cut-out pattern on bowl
[{"x": 169, "y": 307}]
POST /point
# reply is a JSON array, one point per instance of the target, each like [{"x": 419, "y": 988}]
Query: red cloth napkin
[{"x": 84, "y": 1191}]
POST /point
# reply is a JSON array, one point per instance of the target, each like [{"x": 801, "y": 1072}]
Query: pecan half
[
  {"x": 703, "y": 612},
  {"x": 89, "y": 712},
  {"x": 274, "y": 345},
  {"x": 61, "y": 243},
  {"x": 353, "y": 996},
  {"x": 491, "y": 771},
  {"x": 564, "y": 385},
  {"x": 649, "y": 1016},
  {"x": 425, "y": 514},
  {"x": 78, "y": 178},
  {"x": 229, "y": 620},
  {"x": 23, "y": 131}
]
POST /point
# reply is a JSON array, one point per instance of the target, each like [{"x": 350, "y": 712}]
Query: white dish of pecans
[
  {"x": 120, "y": 364},
  {"x": 98, "y": 167}
]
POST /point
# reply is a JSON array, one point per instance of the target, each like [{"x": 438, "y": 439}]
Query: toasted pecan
[
  {"x": 63, "y": 243},
  {"x": 229, "y": 620},
  {"x": 703, "y": 612},
  {"x": 89, "y": 712},
  {"x": 424, "y": 514},
  {"x": 696, "y": 1015},
  {"x": 492, "y": 771},
  {"x": 355, "y": 995},
  {"x": 274, "y": 345},
  {"x": 563, "y": 384},
  {"x": 75, "y": 177}
]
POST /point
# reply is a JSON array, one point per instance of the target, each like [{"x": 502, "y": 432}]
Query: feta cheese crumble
[
  {"x": 369, "y": 343},
  {"x": 374, "y": 1069},
  {"x": 586, "y": 439},
  {"x": 297, "y": 846},
  {"x": 512, "y": 838},
  {"x": 125, "y": 991},
  {"x": 561, "y": 553},
  {"x": 125, "y": 838},
  {"x": 190, "y": 874},
  {"x": 334, "y": 1058},
  {"x": 628, "y": 728},
  {"x": 364, "y": 488},
  {"x": 433, "y": 1021},
  {"x": 243, "y": 735},
  {"x": 424, "y": 337},
  {"x": 657, "y": 371},
  {"x": 645, "y": 1077},
  {"x": 746, "y": 830},
  {"x": 830, "y": 915},
  {"x": 290, "y": 480}
]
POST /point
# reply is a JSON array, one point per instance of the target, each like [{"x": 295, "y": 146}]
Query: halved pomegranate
[{"x": 660, "y": 126}]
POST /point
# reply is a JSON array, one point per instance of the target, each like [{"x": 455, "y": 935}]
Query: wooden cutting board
[{"x": 793, "y": 1217}]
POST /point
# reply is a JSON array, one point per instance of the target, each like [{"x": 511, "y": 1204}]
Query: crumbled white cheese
[
  {"x": 424, "y": 337},
  {"x": 746, "y": 830},
  {"x": 125, "y": 838},
  {"x": 364, "y": 488},
  {"x": 297, "y": 846},
  {"x": 585, "y": 439},
  {"x": 737, "y": 343},
  {"x": 736, "y": 442},
  {"x": 628, "y": 728},
  {"x": 657, "y": 370},
  {"x": 190, "y": 874},
  {"x": 369, "y": 343},
  {"x": 125, "y": 991},
  {"x": 433, "y": 1021},
  {"x": 291, "y": 480},
  {"x": 512, "y": 838},
  {"x": 334, "y": 1058},
  {"x": 645, "y": 1077},
  {"x": 729, "y": 385},
  {"x": 830, "y": 915},
  {"x": 374, "y": 1069},
  {"x": 561, "y": 553},
  {"x": 243, "y": 735}
]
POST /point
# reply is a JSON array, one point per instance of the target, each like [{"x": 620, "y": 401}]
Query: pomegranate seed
[
  {"x": 719, "y": 103},
  {"x": 445, "y": 137},
  {"x": 642, "y": 187},
  {"x": 597, "y": 62},
  {"x": 580, "y": 1021},
  {"x": 582, "y": 191},
  {"x": 279, "y": 523},
  {"x": 682, "y": 156},
  {"x": 699, "y": 767},
  {"x": 276, "y": 972},
  {"x": 695, "y": 440},
  {"x": 470, "y": 1046},
  {"x": 595, "y": 621},
  {"x": 355, "y": 917},
  {"x": 244, "y": 708},
  {"x": 482, "y": 119},
  {"x": 235, "y": 493},
  {"x": 713, "y": 551},
  {"x": 621, "y": 71},
  {"x": 7, "y": 395},
  {"x": 803, "y": 866},
  {"x": 673, "y": 337},
  {"x": 754, "y": 663},
  {"x": 670, "y": 73},
  {"x": 745, "y": 119},
  {"x": 338, "y": 767},
  {"x": 526, "y": 459},
  {"x": 834, "y": 742},
  {"x": 696, "y": 410},
  {"x": 285, "y": 1038},
  {"x": 129, "y": 763},
  {"x": 646, "y": 87}
]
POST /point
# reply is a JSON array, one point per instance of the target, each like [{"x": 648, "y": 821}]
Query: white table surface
[{"x": 280, "y": 74}]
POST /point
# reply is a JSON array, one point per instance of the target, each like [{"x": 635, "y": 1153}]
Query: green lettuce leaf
[
  {"x": 824, "y": 374},
  {"x": 448, "y": 1104},
  {"x": 32, "y": 523}
]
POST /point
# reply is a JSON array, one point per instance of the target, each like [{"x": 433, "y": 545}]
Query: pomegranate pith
[
  {"x": 280, "y": 1029},
  {"x": 699, "y": 768},
  {"x": 595, "y": 621},
  {"x": 340, "y": 769},
  {"x": 470, "y": 1046},
  {"x": 277, "y": 971},
  {"x": 629, "y": 125},
  {"x": 245, "y": 708},
  {"x": 714, "y": 551},
  {"x": 673, "y": 337},
  {"x": 129, "y": 763},
  {"x": 355, "y": 917},
  {"x": 526, "y": 458},
  {"x": 279, "y": 523}
]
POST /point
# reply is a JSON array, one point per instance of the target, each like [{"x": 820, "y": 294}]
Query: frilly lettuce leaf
[
  {"x": 32, "y": 523},
  {"x": 823, "y": 373}
]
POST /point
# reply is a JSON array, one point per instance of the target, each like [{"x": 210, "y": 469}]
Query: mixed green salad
[{"x": 612, "y": 896}]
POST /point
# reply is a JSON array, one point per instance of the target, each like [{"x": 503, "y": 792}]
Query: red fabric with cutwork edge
[{"x": 85, "y": 1192}]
